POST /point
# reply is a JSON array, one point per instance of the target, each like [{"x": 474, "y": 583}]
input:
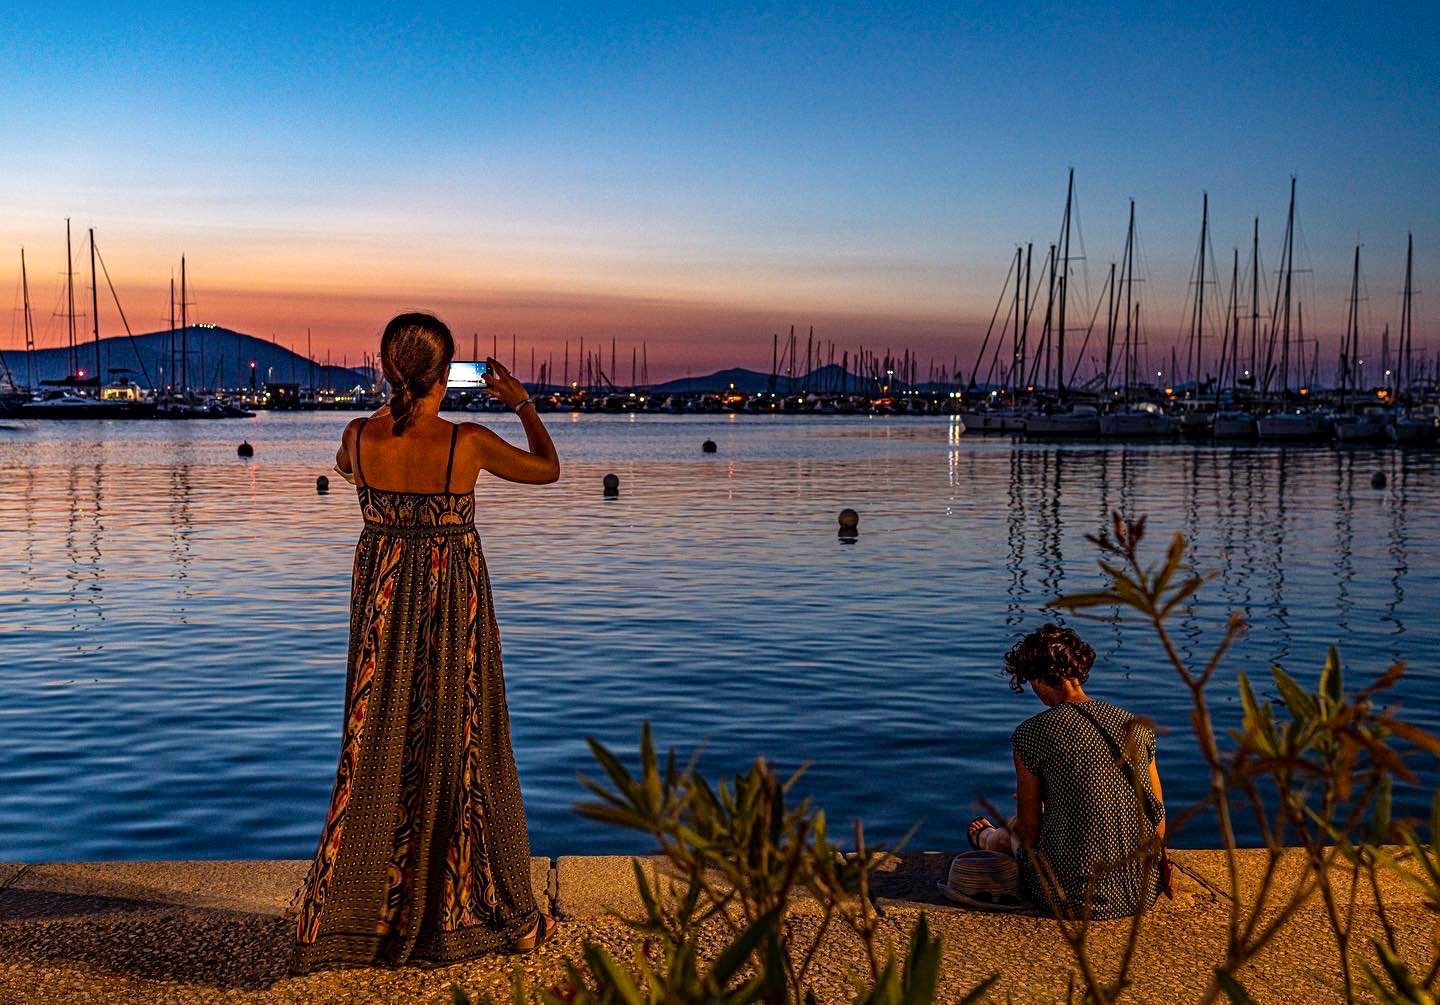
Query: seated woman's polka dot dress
[{"x": 1091, "y": 825}]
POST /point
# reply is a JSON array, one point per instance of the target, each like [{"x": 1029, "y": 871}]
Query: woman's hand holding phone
[{"x": 501, "y": 385}]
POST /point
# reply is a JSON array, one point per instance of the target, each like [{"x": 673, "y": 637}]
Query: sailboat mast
[
  {"x": 1254, "y": 305},
  {"x": 1200, "y": 294},
  {"x": 1352, "y": 332},
  {"x": 1064, "y": 290},
  {"x": 1049, "y": 316},
  {"x": 29, "y": 324},
  {"x": 1110, "y": 328},
  {"x": 173, "y": 384},
  {"x": 1129, "y": 295},
  {"x": 1289, "y": 282},
  {"x": 70, "y": 300},
  {"x": 1015, "y": 328},
  {"x": 1025, "y": 330},
  {"x": 1407, "y": 321},
  {"x": 184, "y": 332},
  {"x": 95, "y": 311},
  {"x": 1232, "y": 331}
]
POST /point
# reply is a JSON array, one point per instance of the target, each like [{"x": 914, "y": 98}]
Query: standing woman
[{"x": 424, "y": 856}]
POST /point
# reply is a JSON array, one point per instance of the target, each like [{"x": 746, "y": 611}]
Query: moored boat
[
  {"x": 1082, "y": 420},
  {"x": 1361, "y": 428},
  {"x": 1413, "y": 431},
  {"x": 1140, "y": 422},
  {"x": 1294, "y": 426},
  {"x": 1234, "y": 425}
]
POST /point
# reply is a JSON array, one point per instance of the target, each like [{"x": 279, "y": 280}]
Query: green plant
[
  {"x": 1315, "y": 772},
  {"x": 738, "y": 855}
]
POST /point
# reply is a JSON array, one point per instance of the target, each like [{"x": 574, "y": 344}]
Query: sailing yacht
[
  {"x": 1294, "y": 425},
  {"x": 1052, "y": 421},
  {"x": 1142, "y": 421}
]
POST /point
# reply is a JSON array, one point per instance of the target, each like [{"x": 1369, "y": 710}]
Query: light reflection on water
[{"x": 173, "y": 627}]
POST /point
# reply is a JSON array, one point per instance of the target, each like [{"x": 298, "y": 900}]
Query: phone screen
[{"x": 467, "y": 374}]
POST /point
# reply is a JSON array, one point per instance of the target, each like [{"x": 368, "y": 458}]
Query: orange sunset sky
[{"x": 696, "y": 181}]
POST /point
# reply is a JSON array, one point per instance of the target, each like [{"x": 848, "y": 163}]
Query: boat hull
[
  {"x": 1234, "y": 426},
  {"x": 1361, "y": 429},
  {"x": 1413, "y": 433},
  {"x": 1062, "y": 426},
  {"x": 87, "y": 409},
  {"x": 1136, "y": 426},
  {"x": 1291, "y": 428}
]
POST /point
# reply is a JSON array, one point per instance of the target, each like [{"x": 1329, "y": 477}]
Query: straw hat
[{"x": 986, "y": 881}]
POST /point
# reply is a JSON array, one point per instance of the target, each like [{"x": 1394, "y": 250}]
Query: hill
[
  {"x": 828, "y": 378},
  {"x": 218, "y": 357}
]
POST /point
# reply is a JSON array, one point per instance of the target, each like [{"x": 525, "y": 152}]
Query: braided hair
[{"x": 415, "y": 354}]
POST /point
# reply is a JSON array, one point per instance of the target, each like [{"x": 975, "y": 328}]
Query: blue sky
[{"x": 613, "y": 170}]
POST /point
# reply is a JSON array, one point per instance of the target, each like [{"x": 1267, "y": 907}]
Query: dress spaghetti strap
[
  {"x": 359, "y": 472},
  {"x": 450, "y": 463}
]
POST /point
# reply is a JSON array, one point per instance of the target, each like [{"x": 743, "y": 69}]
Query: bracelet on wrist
[{"x": 521, "y": 404}]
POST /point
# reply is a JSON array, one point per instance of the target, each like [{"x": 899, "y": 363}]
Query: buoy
[
  {"x": 612, "y": 485},
  {"x": 322, "y": 485},
  {"x": 709, "y": 446},
  {"x": 245, "y": 450},
  {"x": 849, "y": 518},
  {"x": 1377, "y": 480}
]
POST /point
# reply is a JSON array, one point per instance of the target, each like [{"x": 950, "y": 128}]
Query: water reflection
[{"x": 210, "y": 595}]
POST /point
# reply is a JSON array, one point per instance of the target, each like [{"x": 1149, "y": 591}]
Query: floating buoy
[
  {"x": 322, "y": 485},
  {"x": 245, "y": 450},
  {"x": 849, "y": 518},
  {"x": 612, "y": 485},
  {"x": 1377, "y": 480},
  {"x": 709, "y": 446}
]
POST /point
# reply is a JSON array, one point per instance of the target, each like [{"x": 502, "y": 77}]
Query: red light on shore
[{"x": 80, "y": 374}]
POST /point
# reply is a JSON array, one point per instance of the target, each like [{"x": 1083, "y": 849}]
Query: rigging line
[
  {"x": 1085, "y": 344},
  {"x": 1003, "y": 289},
  {"x": 999, "y": 342},
  {"x": 128, "y": 334},
  {"x": 1083, "y": 257}
]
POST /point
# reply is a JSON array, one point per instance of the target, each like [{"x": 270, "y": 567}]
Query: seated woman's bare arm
[
  {"x": 1028, "y": 799},
  {"x": 1159, "y": 794}
]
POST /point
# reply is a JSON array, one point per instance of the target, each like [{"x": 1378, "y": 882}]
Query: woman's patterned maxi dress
[{"x": 425, "y": 854}]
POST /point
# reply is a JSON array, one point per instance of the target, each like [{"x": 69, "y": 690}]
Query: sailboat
[
  {"x": 1356, "y": 426},
  {"x": 1236, "y": 423},
  {"x": 68, "y": 402},
  {"x": 1410, "y": 428},
  {"x": 1288, "y": 423}
]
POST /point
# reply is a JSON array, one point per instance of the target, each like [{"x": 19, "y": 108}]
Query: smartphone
[{"x": 467, "y": 374}]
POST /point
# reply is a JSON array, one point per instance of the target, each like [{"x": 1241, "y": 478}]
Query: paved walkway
[{"x": 214, "y": 931}]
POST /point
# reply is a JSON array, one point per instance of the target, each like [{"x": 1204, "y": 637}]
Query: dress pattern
[
  {"x": 424, "y": 855},
  {"x": 1091, "y": 827}
]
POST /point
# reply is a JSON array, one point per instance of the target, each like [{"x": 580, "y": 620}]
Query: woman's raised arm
[{"x": 540, "y": 464}]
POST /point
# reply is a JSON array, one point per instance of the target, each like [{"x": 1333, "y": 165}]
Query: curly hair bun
[
  {"x": 1050, "y": 654},
  {"x": 415, "y": 354}
]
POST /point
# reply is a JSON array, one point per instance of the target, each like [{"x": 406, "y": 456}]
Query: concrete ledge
[
  {"x": 257, "y": 887},
  {"x": 208, "y": 931},
  {"x": 1206, "y": 867},
  {"x": 264, "y": 887},
  {"x": 542, "y": 882},
  {"x": 8, "y": 871},
  {"x": 591, "y": 885}
]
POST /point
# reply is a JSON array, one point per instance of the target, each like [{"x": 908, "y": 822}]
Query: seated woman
[{"x": 1080, "y": 835}]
